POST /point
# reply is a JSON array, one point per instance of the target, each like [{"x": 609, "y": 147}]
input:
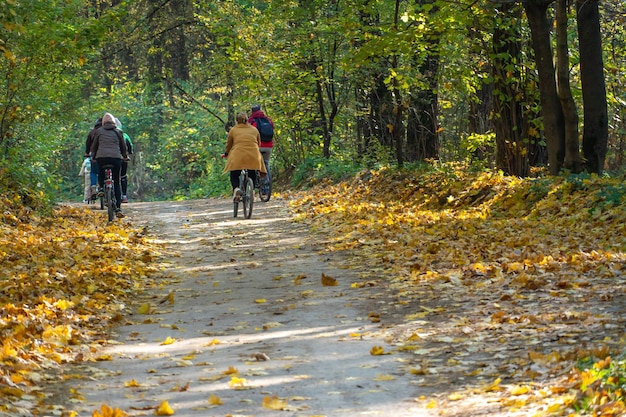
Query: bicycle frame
[
  {"x": 109, "y": 195},
  {"x": 247, "y": 195}
]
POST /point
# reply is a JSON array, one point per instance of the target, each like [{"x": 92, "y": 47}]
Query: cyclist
[
  {"x": 94, "y": 164},
  {"x": 242, "y": 151},
  {"x": 129, "y": 149},
  {"x": 109, "y": 148},
  {"x": 267, "y": 143}
]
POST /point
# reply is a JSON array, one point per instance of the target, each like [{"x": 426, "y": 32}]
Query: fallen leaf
[
  {"x": 274, "y": 403},
  {"x": 168, "y": 341},
  {"x": 328, "y": 281},
  {"x": 215, "y": 400},
  {"x": 132, "y": 383},
  {"x": 164, "y": 409}
]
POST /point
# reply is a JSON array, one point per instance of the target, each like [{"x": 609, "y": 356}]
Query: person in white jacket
[{"x": 85, "y": 172}]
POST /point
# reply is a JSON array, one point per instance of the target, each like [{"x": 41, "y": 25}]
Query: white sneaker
[{"x": 236, "y": 194}]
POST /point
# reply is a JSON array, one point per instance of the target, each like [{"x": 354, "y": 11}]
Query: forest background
[
  {"x": 463, "y": 129},
  {"x": 350, "y": 85}
]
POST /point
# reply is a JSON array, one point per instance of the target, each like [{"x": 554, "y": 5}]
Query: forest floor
[
  {"x": 254, "y": 316},
  {"x": 392, "y": 293},
  {"x": 242, "y": 325}
]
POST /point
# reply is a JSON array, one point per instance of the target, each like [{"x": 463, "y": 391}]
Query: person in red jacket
[{"x": 267, "y": 140}]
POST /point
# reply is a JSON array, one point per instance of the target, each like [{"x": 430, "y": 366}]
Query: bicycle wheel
[
  {"x": 248, "y": 199},
  {"x": 265, "y": 189},
  {"x": 235, "y": 209},
  {"x": 101, "y": 203},
  {"x": 110, "y": 202}
]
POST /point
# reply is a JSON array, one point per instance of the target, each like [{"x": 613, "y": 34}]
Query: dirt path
[{"x": 247, "y": 295}]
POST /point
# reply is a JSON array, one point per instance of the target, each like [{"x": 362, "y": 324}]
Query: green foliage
[
  {"x": 315, "y": 170},
  {"x": 603, "y": 384},
  {"x": 311, "y": 66},
  {"x": 478, "y": 142}
]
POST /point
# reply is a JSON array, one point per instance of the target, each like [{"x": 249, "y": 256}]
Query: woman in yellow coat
[{"x": 242, "y": 150}]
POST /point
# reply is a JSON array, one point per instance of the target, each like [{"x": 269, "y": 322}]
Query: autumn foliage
[
  {"x": 66, "y": 278},
  {"x": 531, "y": 264}
]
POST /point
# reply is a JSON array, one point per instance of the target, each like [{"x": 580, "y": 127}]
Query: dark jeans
[
  {"x": 234, "y": 177},
  {"x": 124, "y": 178},
  {"x": 117, "y": 168}
]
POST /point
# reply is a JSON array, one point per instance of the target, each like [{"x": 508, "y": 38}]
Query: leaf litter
[
  {"x": 491, "y": 288},
  {"x": 508, "y": 282}
]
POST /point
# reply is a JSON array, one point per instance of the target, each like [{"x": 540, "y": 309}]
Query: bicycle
[
  {"x": 246, "y": 186},
  {"x": 265, "y": 184},
  {"x": 108, "y": 199}
]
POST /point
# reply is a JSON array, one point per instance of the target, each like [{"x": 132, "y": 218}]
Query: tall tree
[
  {"x": 510, "y": 127},
  {"x": 551, "y": 110},
  {"x": 570, "y": 113},
  {"x": 595, "y": 133},
  {"x": 422, "y": 134}
]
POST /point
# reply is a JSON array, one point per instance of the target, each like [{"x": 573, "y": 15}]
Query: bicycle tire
[
  {"x": 101, "y": 203},
  {"x": 265, "y": 188},
  {"x": 110, "y": 203},
  {"x": 235, "y": 209},
  {"x": 248, "y": 199}
]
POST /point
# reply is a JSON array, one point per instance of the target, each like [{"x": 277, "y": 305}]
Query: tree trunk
[
  {"x": 511, "y": 132},
  {"x": 536, "y": 11},
  {"x": 595, "y": 114},
  {"x": 422, "y": 136},
  {"x": 570, "y": 114}
]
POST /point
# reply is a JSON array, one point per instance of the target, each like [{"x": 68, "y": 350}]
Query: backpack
[{"x": 265, "y": 129}]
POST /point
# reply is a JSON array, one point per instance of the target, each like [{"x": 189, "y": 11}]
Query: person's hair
[
  {"x": 242, "y": 118},
  {"x": 256, "y": 107}
]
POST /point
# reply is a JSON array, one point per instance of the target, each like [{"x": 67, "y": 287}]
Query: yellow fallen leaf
[
  {"x": 168, "y": 298},
  {"x": 106, "y": 411},
  {"x": 328, "y": 281},
  {"x": 519, "y": 390},
  {"x": 260, "y": 300},
  {"x": 215, "y": 400},
  {"x": 213, "y": 342},
  {"x": 297, "y": 279},
  {"x": 132, "y": 383},
  {"x": 494, "y": 386},
  {"x": 231, "y": 371},
  {"x": 168, "y": 341},
  {"x": 381, "y": 377},
  {"x": 237, "y": 383},
  {"x": 144, "y": 309},
  {"x": 378, "y": 350},
  {"x": 274, "y": 403},
  {"x": 455, "y": 396},
  {"x": 164, "y": 409}
]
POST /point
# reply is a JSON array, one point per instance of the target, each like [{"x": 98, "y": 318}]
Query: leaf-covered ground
[
  {"x": 501, "y": 287},
  {"x": 508, "y": 292},
  {"x": 65, "y": 279}
]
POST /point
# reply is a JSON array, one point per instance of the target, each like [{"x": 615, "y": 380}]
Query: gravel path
[{"x": 250, "y": 324}]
